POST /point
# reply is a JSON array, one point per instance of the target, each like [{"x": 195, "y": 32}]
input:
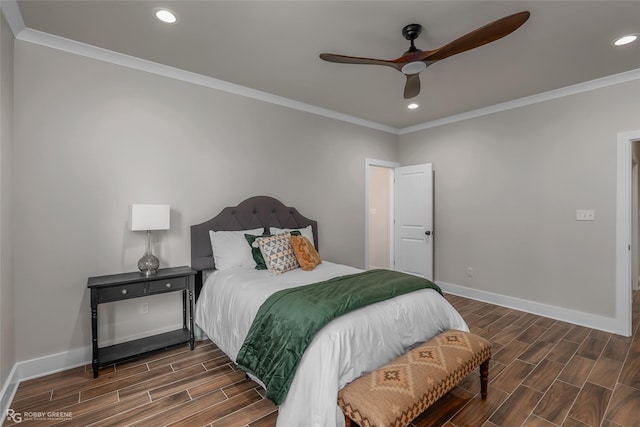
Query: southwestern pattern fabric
[
  {"x": 277, "y": 253},
  {"x": 397, "y": 393},
  {"x": 305, "y": 253}
]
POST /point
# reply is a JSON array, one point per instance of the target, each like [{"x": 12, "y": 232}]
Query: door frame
[
  {"x": 622, "y": 321},
  {"x": 635, "y": 260},
  {"x": 368, "y": 162}
]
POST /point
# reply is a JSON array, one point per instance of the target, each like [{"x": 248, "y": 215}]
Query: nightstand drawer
[
  {"x": 167, "y": 285},
  {"x": 116, "y": 293}
]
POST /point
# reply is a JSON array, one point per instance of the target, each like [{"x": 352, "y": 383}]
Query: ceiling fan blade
[
  {"x": 412, "y": 86},
  {"x": 356, "y": 60},
  {"x": 481, "y": 36}
]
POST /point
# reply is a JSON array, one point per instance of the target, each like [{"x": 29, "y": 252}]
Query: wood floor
[{"x": 543, "y": 373}]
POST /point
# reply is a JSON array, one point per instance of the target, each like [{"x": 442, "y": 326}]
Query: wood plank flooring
[{"x": 543, "y": 373}]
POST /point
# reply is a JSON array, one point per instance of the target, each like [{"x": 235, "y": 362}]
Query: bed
[{"x": 347, "y": 347}]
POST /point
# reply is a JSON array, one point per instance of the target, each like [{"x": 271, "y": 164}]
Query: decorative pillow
[
  {"x": 306, "y": 232},
  {"x": 255, "y": 250},
  {"x": 230, "y": 248},
  {"x": 305, "y": 253},
  {"x": 277, "y": 253}
]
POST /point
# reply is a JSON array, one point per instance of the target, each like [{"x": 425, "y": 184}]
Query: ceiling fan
[{"x": 413, "y": 61}]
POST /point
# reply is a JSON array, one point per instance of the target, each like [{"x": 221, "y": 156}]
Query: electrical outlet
[
  {"x": 469, "y": 271},
  {"x": 144, "y": 308}
]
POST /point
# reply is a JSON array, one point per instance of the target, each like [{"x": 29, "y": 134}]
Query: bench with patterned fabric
[{"x": 398, "y": 392}]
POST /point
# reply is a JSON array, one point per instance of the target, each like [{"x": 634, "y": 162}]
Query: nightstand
[{"x": 118, "y": 287}]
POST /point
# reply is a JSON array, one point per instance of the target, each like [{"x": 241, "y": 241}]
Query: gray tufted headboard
[{"x": 255, "y": 212}]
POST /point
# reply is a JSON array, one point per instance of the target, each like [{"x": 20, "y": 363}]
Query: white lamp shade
[{"x": 149, "y": 217}]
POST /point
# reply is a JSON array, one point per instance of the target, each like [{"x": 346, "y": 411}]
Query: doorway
[
  {"x": 379, "y": 217},
  {"x": 399, "y": 217},
  {"x": 626, "y": 216}
]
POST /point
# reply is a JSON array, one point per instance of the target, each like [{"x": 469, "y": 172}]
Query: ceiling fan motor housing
[{"x": 412, "y": 31}]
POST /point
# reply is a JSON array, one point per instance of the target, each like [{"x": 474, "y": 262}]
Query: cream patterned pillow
[{"x": 277, "y": 253}]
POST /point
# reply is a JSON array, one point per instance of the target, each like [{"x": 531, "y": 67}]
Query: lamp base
[{"x": 148, "y": 264}]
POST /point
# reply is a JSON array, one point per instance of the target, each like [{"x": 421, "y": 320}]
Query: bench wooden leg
[{"x": 484, "y": 378}]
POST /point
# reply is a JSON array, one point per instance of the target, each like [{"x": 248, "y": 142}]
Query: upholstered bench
[{"x": 398, "y": 392}]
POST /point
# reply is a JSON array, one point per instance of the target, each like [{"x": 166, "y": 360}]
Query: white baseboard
[
  {"x": 8, "y": 391},
  {"x": 581, "y": 318},
  {"x": 52, "y": 363},
  {"x": 38, "y": 367}
]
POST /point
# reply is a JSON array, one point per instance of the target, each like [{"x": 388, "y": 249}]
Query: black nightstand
[{"x": 117, "y": 287}]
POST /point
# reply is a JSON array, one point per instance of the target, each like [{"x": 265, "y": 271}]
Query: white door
[{"x": 413, "y": 191}]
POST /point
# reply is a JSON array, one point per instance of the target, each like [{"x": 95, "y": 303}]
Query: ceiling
[{"x": 273, "y": 47}]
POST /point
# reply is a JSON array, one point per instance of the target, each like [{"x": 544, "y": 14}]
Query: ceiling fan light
[
  {"x": 625, "y": 39},
  {"x": 412, "y": 106},
  {"x": 413, "y": 67}
]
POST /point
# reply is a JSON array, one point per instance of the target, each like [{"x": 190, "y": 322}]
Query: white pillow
[
  {"x": 231, "y": 249},
  {"x": 306, "y": 232}
]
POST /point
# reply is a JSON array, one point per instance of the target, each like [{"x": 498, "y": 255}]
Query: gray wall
[
  {"x": 7, "y": 322},
  {"x": 507, "y": 187},
  {"x": 92, "y": 138}
]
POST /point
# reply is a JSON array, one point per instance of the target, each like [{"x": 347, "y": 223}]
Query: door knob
[{"x": 428, "y": 233}]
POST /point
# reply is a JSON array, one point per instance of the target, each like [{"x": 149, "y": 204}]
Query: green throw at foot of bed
[{"x": 289, "y": 319}]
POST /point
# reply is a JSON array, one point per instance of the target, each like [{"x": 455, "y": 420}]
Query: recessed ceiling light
[
  {"x": 412, "y": 106},
  {"x": 165, "y": 15},
  {"x": 625, "y": 39}
]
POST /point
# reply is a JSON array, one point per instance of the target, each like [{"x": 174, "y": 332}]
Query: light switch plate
[{"x": 585, "y": 215}]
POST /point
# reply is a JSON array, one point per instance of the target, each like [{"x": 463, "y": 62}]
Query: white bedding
[{"x": 343, "y": 350}]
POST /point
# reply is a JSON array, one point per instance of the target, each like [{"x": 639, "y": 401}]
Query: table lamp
[{"x": 148, "y": 218}]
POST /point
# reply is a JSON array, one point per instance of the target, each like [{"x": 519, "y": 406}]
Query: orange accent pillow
[{"x": 306, "y": 254}]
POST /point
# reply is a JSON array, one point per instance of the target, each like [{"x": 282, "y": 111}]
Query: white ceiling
[{"x": 273, "y": 46}]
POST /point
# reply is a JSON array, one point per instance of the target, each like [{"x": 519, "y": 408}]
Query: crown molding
[
  {"x": 614, "y": 79},
  {"x": 12, "y": 14},
  {"x": 94, "y": 52},
  {"x": 14, "y": 18}
]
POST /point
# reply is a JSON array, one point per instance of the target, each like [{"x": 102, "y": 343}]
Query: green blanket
[{"x": 289, "y": 319}]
